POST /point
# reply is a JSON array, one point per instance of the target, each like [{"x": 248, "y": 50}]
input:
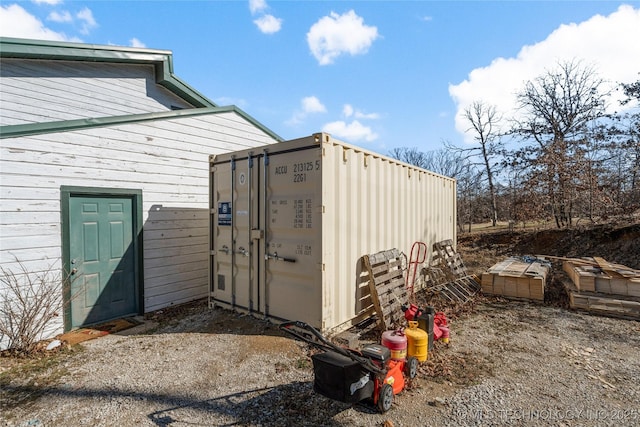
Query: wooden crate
[
  {"x": 603, "y": 304},
  {"x": 600, "y": 276},
  {"x": 517, "y": 278}
]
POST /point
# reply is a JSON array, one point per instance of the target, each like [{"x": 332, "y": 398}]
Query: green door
[{"x": 102, "y": 258}]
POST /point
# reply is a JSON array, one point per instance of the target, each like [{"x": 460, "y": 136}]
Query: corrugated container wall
[{"x": 291, "y": 222}]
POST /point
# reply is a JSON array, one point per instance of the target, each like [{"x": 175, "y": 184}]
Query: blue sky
[{"x": 379, "y": 74}]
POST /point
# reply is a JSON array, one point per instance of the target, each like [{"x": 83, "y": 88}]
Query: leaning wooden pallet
[
  {"x": 445, "y": 253},
  {"x": 448, "y": 274},
  {"x": 387, "y": 286}
]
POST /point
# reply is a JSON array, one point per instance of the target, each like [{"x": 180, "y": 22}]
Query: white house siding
[
  {"x": 166, "y": 158},
  {"x": 34, "y": 91}
]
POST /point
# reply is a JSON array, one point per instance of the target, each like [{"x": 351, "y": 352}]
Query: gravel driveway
[{"x": 515, "y": 364}]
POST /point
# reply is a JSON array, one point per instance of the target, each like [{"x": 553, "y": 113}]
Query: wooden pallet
[
  {"x": 445, "y": 254},
  {"x": 459, "y": 290},
  {"x": 387, "y": 286},
  {"x": 624, "y": 307}
]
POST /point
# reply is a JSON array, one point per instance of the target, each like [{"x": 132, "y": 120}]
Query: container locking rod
[{"x": 278, "y": 258}]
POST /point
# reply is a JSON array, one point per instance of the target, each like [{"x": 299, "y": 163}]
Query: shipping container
[{"x": 291, "y": 221}]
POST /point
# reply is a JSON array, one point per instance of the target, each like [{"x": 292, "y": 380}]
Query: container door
[
  {"x": 221, "y": 235},
  {"x": 292, "y": 283},
  {"x": 233, "y": 197}
]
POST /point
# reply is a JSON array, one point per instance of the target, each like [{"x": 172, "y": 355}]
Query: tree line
[{"x": 559, "y": 157}]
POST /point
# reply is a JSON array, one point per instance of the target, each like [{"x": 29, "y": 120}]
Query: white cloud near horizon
[
  {"x": 88, "y": 22},
  {"x": 353, "y": 131},
  {"x": 608, "y": 43},
  {"x": 227, "y": 100},
  {"x": 309, "y": 105},
  {"x": 134, "y": 42},
  {"x": 348, "y": 111},
  {"x": 350, "y": 132},
  {"x": 64, "y": 16},
  {"x": 17, "y": 22},
  {"x": 335, "y": 35}
]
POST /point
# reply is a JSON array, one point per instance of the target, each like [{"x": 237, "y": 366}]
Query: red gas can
[{"x": 396, "y": 341}]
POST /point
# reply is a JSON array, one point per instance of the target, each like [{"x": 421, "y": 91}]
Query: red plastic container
[
  {"x": 396, "y": 341},
  {"x": 445, "y": 334}
]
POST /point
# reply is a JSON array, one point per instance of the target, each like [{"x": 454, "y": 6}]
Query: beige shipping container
[{"x": 291, "y": 221}]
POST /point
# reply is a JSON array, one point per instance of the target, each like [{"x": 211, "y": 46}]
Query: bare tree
[
  {"x": 413, "y": 156},
  {"x": 468, "y": 194},
  {"x": 556, "y": 109},
  {"x": 443, "y": 161},
  {"x": 484, "y": 120},
  {"x": 627, "y": 134}
]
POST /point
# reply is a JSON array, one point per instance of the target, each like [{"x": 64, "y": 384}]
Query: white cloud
[
  {"x": 134, "y": 42},
  {"x": 227, "y": 100},
  {"x": 60, "y": 17},
  {"x": 335, "y": 35},
  {"x": 427, "y": 18},
  {"x": 268, "y": 24},
  {"x": 367, "y": 116},
  {"x": 609, "y": 43},
  {"x": 17, "y": 22},
  {"x": 349, "y": 111},
  {"x": 88, "y": 22},
  {"x": 256, "y": 6},
  {"x": 310, "y": 105},
  {"x": 350, "y": 132},
  {"x": 49, "y": 2}
]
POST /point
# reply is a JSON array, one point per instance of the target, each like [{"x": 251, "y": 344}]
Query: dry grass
[{"x": 23, "y": 378}]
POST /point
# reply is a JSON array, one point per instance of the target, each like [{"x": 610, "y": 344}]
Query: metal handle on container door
[
  {"x": 242, "y": 251},
  {"x": 278, "y": 258},
  {"x": 225, "y": 249}
]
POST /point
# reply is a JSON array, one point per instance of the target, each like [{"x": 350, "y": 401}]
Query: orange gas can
[{"x": 417, "y": 342}]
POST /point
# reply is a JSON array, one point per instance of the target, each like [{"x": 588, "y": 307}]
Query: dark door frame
[{"x": 66, "y": 192}]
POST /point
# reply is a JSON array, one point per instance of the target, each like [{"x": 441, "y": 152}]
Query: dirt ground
[{"x": 508, "y": 363}]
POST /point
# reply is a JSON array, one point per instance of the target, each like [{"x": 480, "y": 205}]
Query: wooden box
[
  {"x": 600, "y": 276},
  {"x": 517, "y": 278}
]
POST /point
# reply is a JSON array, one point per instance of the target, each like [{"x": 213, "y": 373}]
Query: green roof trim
[
  {"x": 162, "y": 60},
  {"x": 15, "y": 131}
]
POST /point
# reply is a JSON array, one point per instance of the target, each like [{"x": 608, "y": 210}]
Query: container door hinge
[{"x": 257, "y": 234}]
